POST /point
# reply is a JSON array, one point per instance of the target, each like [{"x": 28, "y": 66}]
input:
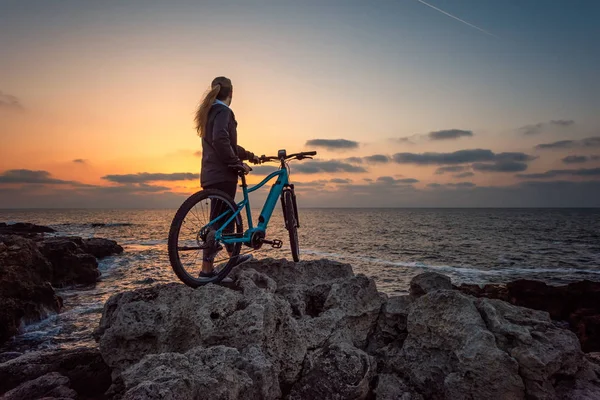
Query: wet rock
[
  {"x": 25, "y": 292},
  {"x": 88, "y": 375},
  {"x": 428, "y": 282},
  {"x": 52, "y": 385},
  {"x": 100, "y": 248},
  {"x": 70, "y": 263},
  {"x": 23, "y": 227}
]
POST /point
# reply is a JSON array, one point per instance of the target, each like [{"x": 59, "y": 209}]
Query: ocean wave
[{"x": 461, "y": 269}]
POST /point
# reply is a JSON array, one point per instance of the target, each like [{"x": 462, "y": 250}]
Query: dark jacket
[{"x": 220, "y": 148}]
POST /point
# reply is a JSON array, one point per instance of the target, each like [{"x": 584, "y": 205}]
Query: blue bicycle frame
[{"x": 265, "y": 214}]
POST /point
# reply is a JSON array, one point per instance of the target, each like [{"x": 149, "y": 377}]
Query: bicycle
[{"x": 186, "y": 242}]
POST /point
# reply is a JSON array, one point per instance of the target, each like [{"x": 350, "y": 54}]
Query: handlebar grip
[{"x": 310, "y": 153}]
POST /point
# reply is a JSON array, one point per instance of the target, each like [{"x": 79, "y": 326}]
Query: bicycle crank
[{"x": 275, "y": 243}]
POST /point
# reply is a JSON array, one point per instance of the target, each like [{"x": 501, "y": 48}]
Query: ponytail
[{"x": 220, "y": 89}]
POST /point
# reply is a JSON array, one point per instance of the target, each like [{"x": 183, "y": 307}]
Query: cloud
[
  {"x": 568, "y": 144},
  {"x": 581, "y": 172},
  {"x": 377, "y": 159},
  {"x": 388, "y": 180},
  {"x": 80, "y": 161},
  {"x": 198, "y": 153},
  {"x": 449, "y": 134},
  {"x": 407, "y": 139},
  {"x": 314, "y": 167},
  {"x": 341, "y": 181},
  {"x": 562, "y": 122},
  {"x": 457, "y": 157},
  {"x": 517, "y": 157},
  {"x": 535, "y": 129},
  {"x": 464, "y": 175},
  {"x": 457, "y": 185},
  {"x": 561, "y": 144},
  {"x": 575, "y": 159},
  {"x": 29, "y": 176},
  {"x": 333, "y": 144},
  {"x": 460, "y": 157},
  {"x": 354, "y": 160},
  {"x": 451, "y": 168},
  {"x": 10, "y": 102},
  {"x": 500, "y": 166},
  {"x": 142, "y": 177}
]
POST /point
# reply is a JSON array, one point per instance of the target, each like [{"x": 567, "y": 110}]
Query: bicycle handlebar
[{"x": 299, "y": 156}]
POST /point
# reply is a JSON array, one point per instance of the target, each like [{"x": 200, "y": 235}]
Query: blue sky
[{"x": 115, "y": 83}]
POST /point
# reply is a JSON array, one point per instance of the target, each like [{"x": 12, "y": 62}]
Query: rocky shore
[
  {"x": 308, "y": 330},
  {"x": 32, "y": 265}
]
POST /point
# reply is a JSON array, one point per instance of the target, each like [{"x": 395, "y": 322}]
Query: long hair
[{"x": 220, "y": 89}]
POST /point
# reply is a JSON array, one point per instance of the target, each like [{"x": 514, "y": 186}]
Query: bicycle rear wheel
[
  {"x": 191, "y": 232},
  {"x": 291, "y": 224}
]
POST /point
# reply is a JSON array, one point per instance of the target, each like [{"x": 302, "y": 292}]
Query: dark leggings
[{"x": 216, "y": 209}]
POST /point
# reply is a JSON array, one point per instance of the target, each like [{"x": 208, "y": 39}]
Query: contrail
[{"x": 458, "y": 19}]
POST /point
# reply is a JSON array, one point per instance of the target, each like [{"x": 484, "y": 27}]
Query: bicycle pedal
[{"x": 275, "y": 243}]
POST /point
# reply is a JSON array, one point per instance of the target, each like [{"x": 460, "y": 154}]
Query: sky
[{"x": 409, "y": 103}]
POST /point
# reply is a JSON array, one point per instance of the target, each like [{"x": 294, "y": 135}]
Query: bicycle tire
[
  {"x": 291, "y": 224},
  {"x": 175, "y": 229}
]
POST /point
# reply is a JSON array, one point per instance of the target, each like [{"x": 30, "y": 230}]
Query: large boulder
[
  {"x": 577, "y": 303},
  {"x": 218, "y": 372},
  {"x": 450, "y": 353},
  {"x": 287, "y": 313},
  {"x": 25, "y": 292},
  {"x": 100, "y": 248},
  {"x": 429, "y": 282},
  {"x": 84, "y": 367},
  {"x": 49, "y": 386},
  {"x": 70, "y": 263}
]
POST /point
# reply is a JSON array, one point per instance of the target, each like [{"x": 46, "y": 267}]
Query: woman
[{"x": 221, "y": 155}]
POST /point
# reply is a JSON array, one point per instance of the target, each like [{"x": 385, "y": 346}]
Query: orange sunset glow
[{"x": 90, "y": 93}]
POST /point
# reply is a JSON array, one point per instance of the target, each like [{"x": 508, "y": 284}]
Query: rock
[
  {"x": 9, "y": 355},
  {"x": 449, "y": 353},
  {"x": 87, "y": 372},
  {"x": 338, "y": 371},
  {"x": 330, "y": 305},
  {"x": 428, "y": 282},
  {"x": 25, "y": 292},
  {"x": 23, "y": 227},
  {"x": 390, "y": 387},
  {"x": 52, "y": 385},
  {"x": 101, "y": 248},
  {"x": 70, "y": 263},
  {"x": 219, "y": 372},
  {"x": 390, "y": 331},
  {"x": 542, "y": 351},
  {"x": 577, "y": 303},
  {"x": 315, "y": 330}
]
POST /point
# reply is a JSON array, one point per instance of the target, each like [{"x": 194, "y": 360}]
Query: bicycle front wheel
[
  {"x": 191, "y": 237},
  {"x": 291, "y": 224}
]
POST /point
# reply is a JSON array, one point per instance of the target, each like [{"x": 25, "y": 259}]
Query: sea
[{"x": 391, "y": 246}]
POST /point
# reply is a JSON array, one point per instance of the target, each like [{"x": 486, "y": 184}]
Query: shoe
[{"x": 212, "y": 274}]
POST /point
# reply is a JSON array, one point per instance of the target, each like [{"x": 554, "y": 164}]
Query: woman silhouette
[{"x": 221, "y": 156}]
